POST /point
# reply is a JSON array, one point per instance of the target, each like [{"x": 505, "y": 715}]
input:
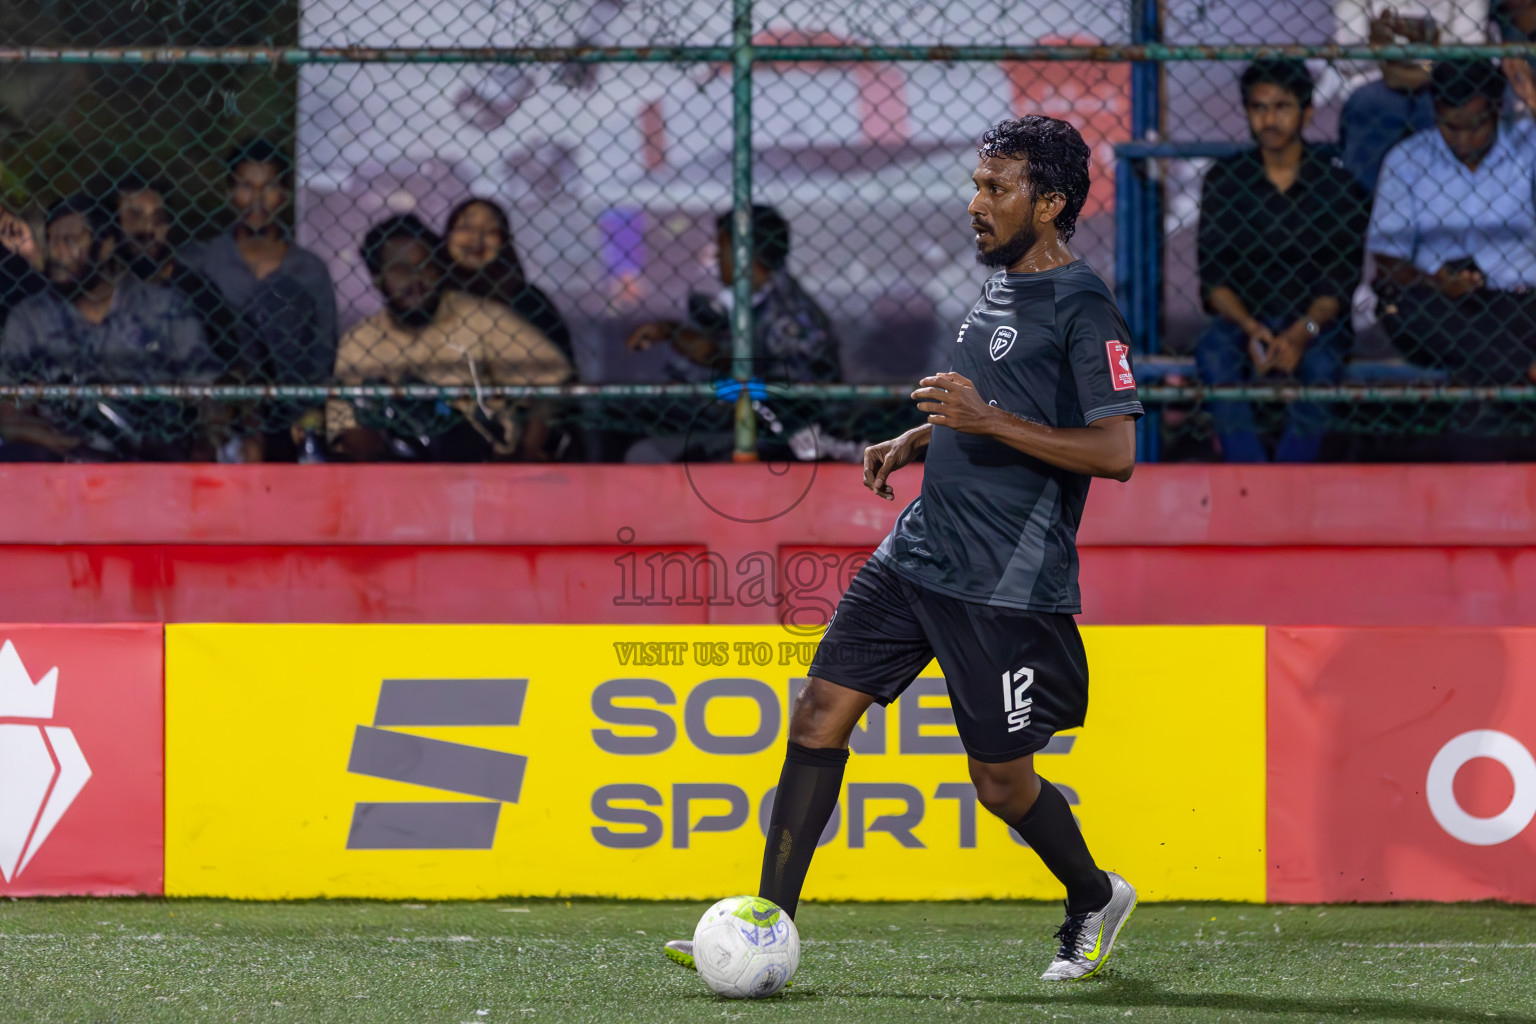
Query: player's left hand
[
  {"x": 1289, "y": 346},
  {"x": 951, "y": 400}
]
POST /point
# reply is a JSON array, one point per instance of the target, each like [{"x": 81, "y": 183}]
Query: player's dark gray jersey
[{"x": 992, "y": 524}]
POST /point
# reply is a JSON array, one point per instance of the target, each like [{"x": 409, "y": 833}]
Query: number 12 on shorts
[{"x": 1015, "y": 705}]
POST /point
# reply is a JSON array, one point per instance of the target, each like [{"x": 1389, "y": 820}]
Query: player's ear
[{"x": 1049, "y": 206}]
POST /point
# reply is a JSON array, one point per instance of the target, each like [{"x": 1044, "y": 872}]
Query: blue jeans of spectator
[{"x": 1221, "y": 357}]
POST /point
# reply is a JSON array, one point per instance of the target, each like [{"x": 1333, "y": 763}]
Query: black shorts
[{"x": 1015, "y": 677}]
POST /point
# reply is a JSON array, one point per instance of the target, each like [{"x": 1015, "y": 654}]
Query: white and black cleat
[{"x": 1088, "y": 939}]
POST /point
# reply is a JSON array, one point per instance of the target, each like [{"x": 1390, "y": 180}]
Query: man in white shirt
[{"x": 1453, "y": 231}]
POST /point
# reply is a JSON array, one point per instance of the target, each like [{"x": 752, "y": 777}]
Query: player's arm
[
  {"x": 692, "y": 344},
  {"x": 1106, "y": 447},
  {"x": 1227, "y": 305}
]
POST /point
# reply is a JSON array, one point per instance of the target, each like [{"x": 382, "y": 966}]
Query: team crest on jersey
[{"x": 1002, "y": 341}]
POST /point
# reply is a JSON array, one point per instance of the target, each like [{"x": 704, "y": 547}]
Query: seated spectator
[
  {"x": 1280, "y": 253},
  {"x": 282, "y": 292},
  {"x": 483, "y": 262},
  {"x": 792, "y": 337},
  {"x": 95, "y": 324},
  {"x": 1453, "y": 233},
  {"x": 1380, "y": 114},
  {"x": 427, "y": 334},
  {"x": 21, "y": 261},
  {"x": 144, "y": 223}
]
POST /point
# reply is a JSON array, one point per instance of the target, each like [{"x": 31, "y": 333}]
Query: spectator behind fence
[
  {"x": 21, "y": 261},
  {"x": 792, "y": 341},
  {"x": 95, "y": 324},
  {"x": 792, "y": 337},
  {"x": 1380, "y": 114},
  {"x": 1280, "y": 253},
  {"x": 1454, "y": 234},
  {"x": 282, "y": 292},
  {"x": 145, "y": 222},
  {"x": 427, "y": 334},
  {"x": 484, "y": 262}
]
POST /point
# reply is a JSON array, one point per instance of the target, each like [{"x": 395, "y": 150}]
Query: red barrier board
[
  {"x": 1348, "y": 545},
  {"x": 1401, "y": 764},
  {"x": 82, "y": 740}
]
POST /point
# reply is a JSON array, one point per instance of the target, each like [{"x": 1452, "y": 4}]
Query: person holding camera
[{"x": 1381, "y": 113}]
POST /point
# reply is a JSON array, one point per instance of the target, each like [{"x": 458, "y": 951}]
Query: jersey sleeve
[{"x": 1099, "y": 354}]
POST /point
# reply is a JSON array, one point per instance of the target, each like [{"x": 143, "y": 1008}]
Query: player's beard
[
  {"x": 1009, "y": 251},
  {"x": 416, "y": 317},
  {"x": 81, "y": 282},
  {"x": 146, "y": 260}
]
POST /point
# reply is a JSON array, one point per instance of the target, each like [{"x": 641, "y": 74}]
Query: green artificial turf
[{"x": 168, "y": 960}]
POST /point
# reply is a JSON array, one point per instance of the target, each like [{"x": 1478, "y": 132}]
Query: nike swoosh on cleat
[{"x": 1097, "y": 943}]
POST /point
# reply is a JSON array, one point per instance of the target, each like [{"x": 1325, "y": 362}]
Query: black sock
[
  {"x": 1048, "y": 827},
  {"x": 808, "y": 788}
]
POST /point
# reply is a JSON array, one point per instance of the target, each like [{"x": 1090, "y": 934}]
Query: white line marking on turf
[{"x": 1439, "y": 945}]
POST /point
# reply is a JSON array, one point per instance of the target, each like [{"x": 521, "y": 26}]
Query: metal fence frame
[{"x": 1138, "y": 203}]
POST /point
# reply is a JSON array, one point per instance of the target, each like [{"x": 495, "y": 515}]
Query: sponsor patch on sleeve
[{"x": 1120, "y": 365}]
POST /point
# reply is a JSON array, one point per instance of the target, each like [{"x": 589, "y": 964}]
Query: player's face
[
  {"x": 1274, "y": 116},
  {"x": 476, "y": 238},
  {"x": 1002, "y": 211},
  {"x": 256, "y": 192},
  {"x": 411, "y": 281},
  {"x": 1469, "y": 130},
  {"x": 146, "y": 223},
  {"x": 71, "y": 255}
]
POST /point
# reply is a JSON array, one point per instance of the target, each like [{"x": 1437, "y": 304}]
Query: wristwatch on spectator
[{"x": 1313, "y": 329}]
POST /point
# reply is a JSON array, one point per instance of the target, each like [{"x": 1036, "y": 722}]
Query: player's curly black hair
[
  {"x": 89, "y": 206},
  {"x": 1057, "y": 157},
  {"x": 261, "y": 151},
  {"x": 405, "y": 225},
  {"x": 1290, "y": 75}
]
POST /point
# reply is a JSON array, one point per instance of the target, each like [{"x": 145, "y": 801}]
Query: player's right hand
[
  {"x": 885, "y": 458},
  {"x": 1456, "y": 283},
  {"x": 1261, "y": 347}
]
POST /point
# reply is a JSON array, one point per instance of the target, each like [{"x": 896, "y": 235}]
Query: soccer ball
[{"x": 746, "y": 948}]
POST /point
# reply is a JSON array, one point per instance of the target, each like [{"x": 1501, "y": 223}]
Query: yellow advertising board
[{"x": 453, "y": 762}]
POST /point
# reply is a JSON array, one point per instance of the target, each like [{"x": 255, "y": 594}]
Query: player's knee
[
  {"x": 822, "y": 717},
  {"x": 1005, "y": 789},
  {"x": 814, "y": 723}
]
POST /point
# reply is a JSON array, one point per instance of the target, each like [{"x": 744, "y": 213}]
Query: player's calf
[{"x": 1046, "y": 824}]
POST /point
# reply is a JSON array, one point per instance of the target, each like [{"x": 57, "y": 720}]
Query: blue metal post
[{"x": 1146, "y": 213}]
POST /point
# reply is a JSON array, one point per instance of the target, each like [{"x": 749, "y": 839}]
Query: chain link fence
[{"x": 421, "y": 230}]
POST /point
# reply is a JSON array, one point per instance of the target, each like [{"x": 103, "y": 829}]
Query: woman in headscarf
[{"x": 483, "y": 262}]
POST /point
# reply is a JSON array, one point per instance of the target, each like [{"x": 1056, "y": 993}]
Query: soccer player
[{"x": 980, "y": 570}]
